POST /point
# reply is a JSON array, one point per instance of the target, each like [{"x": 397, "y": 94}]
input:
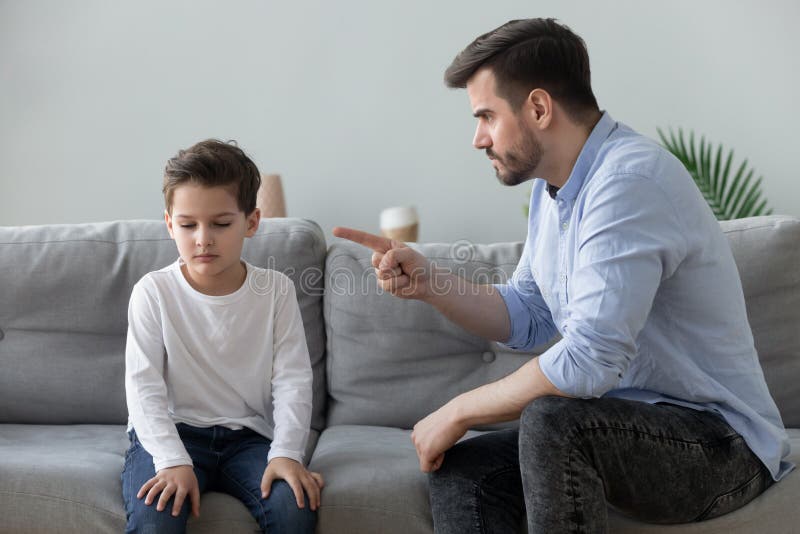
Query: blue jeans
[
  {"x": 570, "y": 458},
  {"x": 225, "y": 460}
]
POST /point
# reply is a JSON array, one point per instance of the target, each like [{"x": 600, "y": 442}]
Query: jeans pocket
[{"x": 735, "y": 499}]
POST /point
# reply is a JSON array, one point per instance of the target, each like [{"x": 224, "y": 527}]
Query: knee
[
  {"x": 461, "y": 466},
  {"x": 451, "y": 480},
  {"x": 281, "y": 513},
  {"x": 547, "y": 421},
  {"x": 148, "y": 520}
]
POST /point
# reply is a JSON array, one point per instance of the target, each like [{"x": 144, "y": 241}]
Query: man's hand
[
  {"x": 297, "y": 476},
  {"x": 435, "y": 434},
  {"x": 401, "y": 270},
  {"x": 179, "y": 481}
]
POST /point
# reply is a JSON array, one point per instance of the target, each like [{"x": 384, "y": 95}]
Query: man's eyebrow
[
  {"x": 481, "y": 112},
  {"x": 182, "y": 216}
]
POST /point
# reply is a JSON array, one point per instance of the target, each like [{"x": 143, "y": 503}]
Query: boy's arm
[
  {"x": 145, "y": 388},
  {"x": 291, "y": 376}
]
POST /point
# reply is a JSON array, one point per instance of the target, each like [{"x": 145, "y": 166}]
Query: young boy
[{"x": 217, "y": 372}]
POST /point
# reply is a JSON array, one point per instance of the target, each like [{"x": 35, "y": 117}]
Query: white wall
[{"x": 345, "y": 99}]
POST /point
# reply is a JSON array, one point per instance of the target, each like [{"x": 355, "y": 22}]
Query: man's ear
[
  {"x": 539, "y": 106},
  {"x": 168, "y": 220},
  {"x": 252, "y": 222}
]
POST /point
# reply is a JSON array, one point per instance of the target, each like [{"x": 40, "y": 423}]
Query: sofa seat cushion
[
  {"x": 66, "y": 478},
  {"x": 373, "y": 484}
]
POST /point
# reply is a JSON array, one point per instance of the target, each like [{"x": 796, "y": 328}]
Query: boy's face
[{"x": 209, "y": 229}]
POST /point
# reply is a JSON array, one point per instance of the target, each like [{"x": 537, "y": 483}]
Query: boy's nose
[{"x": 204, "y": 239}]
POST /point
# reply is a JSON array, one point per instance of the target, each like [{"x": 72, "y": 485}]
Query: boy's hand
[
  {"x": 180, "y": 481},
  {"x": 297, "y": 476}
]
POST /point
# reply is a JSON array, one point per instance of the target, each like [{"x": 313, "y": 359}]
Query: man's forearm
[
  {"x": 504, "y": 399},
  {"x": 478, "y": 308}
]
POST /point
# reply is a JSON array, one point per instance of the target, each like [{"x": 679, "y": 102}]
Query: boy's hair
[
  {"x": 213, "y": 163},
  {"x": 528, "y": 54}
]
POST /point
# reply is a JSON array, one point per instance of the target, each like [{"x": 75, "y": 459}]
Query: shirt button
[
  {"x": 565, "y": 225},
  {"x": 563, "y": 278},
  {"x": 488, "y": 357}
]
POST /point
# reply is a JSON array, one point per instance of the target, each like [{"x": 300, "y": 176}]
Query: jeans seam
[
  {"x": 738, "y": 489},
  {"x": 246, "y": 492},
  {"x": 661, "y": 437},
  {"x": 576, "y": 525}
]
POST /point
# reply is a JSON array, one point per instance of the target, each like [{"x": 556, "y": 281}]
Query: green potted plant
[{"x": 729, "y": 198}]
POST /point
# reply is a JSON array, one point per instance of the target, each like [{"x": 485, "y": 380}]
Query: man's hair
[
  {"x": 529, "y": 54},
  {"x": 213, "y": 163}
]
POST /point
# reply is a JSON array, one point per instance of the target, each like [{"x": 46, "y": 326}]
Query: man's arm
[
  {"x": 482, "y": 310},
  {"x": 502, "y": 400},
  {"x": 406, "y": 273},
  {"x": 478, "y": 308}
]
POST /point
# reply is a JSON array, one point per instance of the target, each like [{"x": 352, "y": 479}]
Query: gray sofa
[{"x": 380, "y": 364}]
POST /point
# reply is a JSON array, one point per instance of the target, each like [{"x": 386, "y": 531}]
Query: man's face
[{"x": 510, "y": 143}]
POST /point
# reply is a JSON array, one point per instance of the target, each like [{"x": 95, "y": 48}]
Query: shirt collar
[{"x": 604, "y": 127}]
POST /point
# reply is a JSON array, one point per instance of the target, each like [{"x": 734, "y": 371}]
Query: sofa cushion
[
  {"x": 392, "y": 361},
  {"x": 767, "y": 253},
  {"x": 373, "y": 484},
  {"x": 66, "y": 478},
  {"x": 63, "y": 310}
]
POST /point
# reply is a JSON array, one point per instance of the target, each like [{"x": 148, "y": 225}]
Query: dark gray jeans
[{"x": 571, "y": 458}]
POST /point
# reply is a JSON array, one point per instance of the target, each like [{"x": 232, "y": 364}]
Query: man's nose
[{"x": 482, "y": 139}]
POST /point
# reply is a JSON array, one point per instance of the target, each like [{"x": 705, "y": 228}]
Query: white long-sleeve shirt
[{"x": 237, "y": 360}]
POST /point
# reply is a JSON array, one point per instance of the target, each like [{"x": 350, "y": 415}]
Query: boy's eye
[
  {"x": 223, "y": 224},
  {"x": 187, "y": 226}
]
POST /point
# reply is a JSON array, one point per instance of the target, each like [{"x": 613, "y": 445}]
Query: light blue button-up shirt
[{"x": 627, "y": 262}]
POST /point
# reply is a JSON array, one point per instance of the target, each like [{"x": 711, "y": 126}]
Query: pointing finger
[{"x": 375, "y": 242}]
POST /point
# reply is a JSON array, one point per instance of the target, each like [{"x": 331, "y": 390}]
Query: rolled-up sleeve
[
  {"x": 531, "y": 321},
  {"x": 630, "y": 239}
]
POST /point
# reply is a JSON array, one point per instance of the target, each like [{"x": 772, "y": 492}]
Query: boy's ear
[
  {"x": 252, "y": 222},
  {"x": 168, "y": 220}
]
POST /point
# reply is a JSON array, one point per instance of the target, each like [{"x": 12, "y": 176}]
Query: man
[{"x": 653, "y": 400}]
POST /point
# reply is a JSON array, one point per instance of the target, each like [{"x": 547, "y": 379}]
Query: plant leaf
[{"x": 728, "y": 198}]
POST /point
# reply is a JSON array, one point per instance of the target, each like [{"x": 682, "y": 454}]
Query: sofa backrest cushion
[
  {"x": 767, "y": 253},
  {"x": 64, "y": 292},
  {"x": 392, "y": 361}
]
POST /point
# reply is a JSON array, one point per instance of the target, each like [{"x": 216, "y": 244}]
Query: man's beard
[{"x": 521, "y": 160}]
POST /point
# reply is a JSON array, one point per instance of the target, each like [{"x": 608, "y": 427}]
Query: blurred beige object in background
[
  {"x": 270, "y": 197},
  {"x": 400, "y": 223}
]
